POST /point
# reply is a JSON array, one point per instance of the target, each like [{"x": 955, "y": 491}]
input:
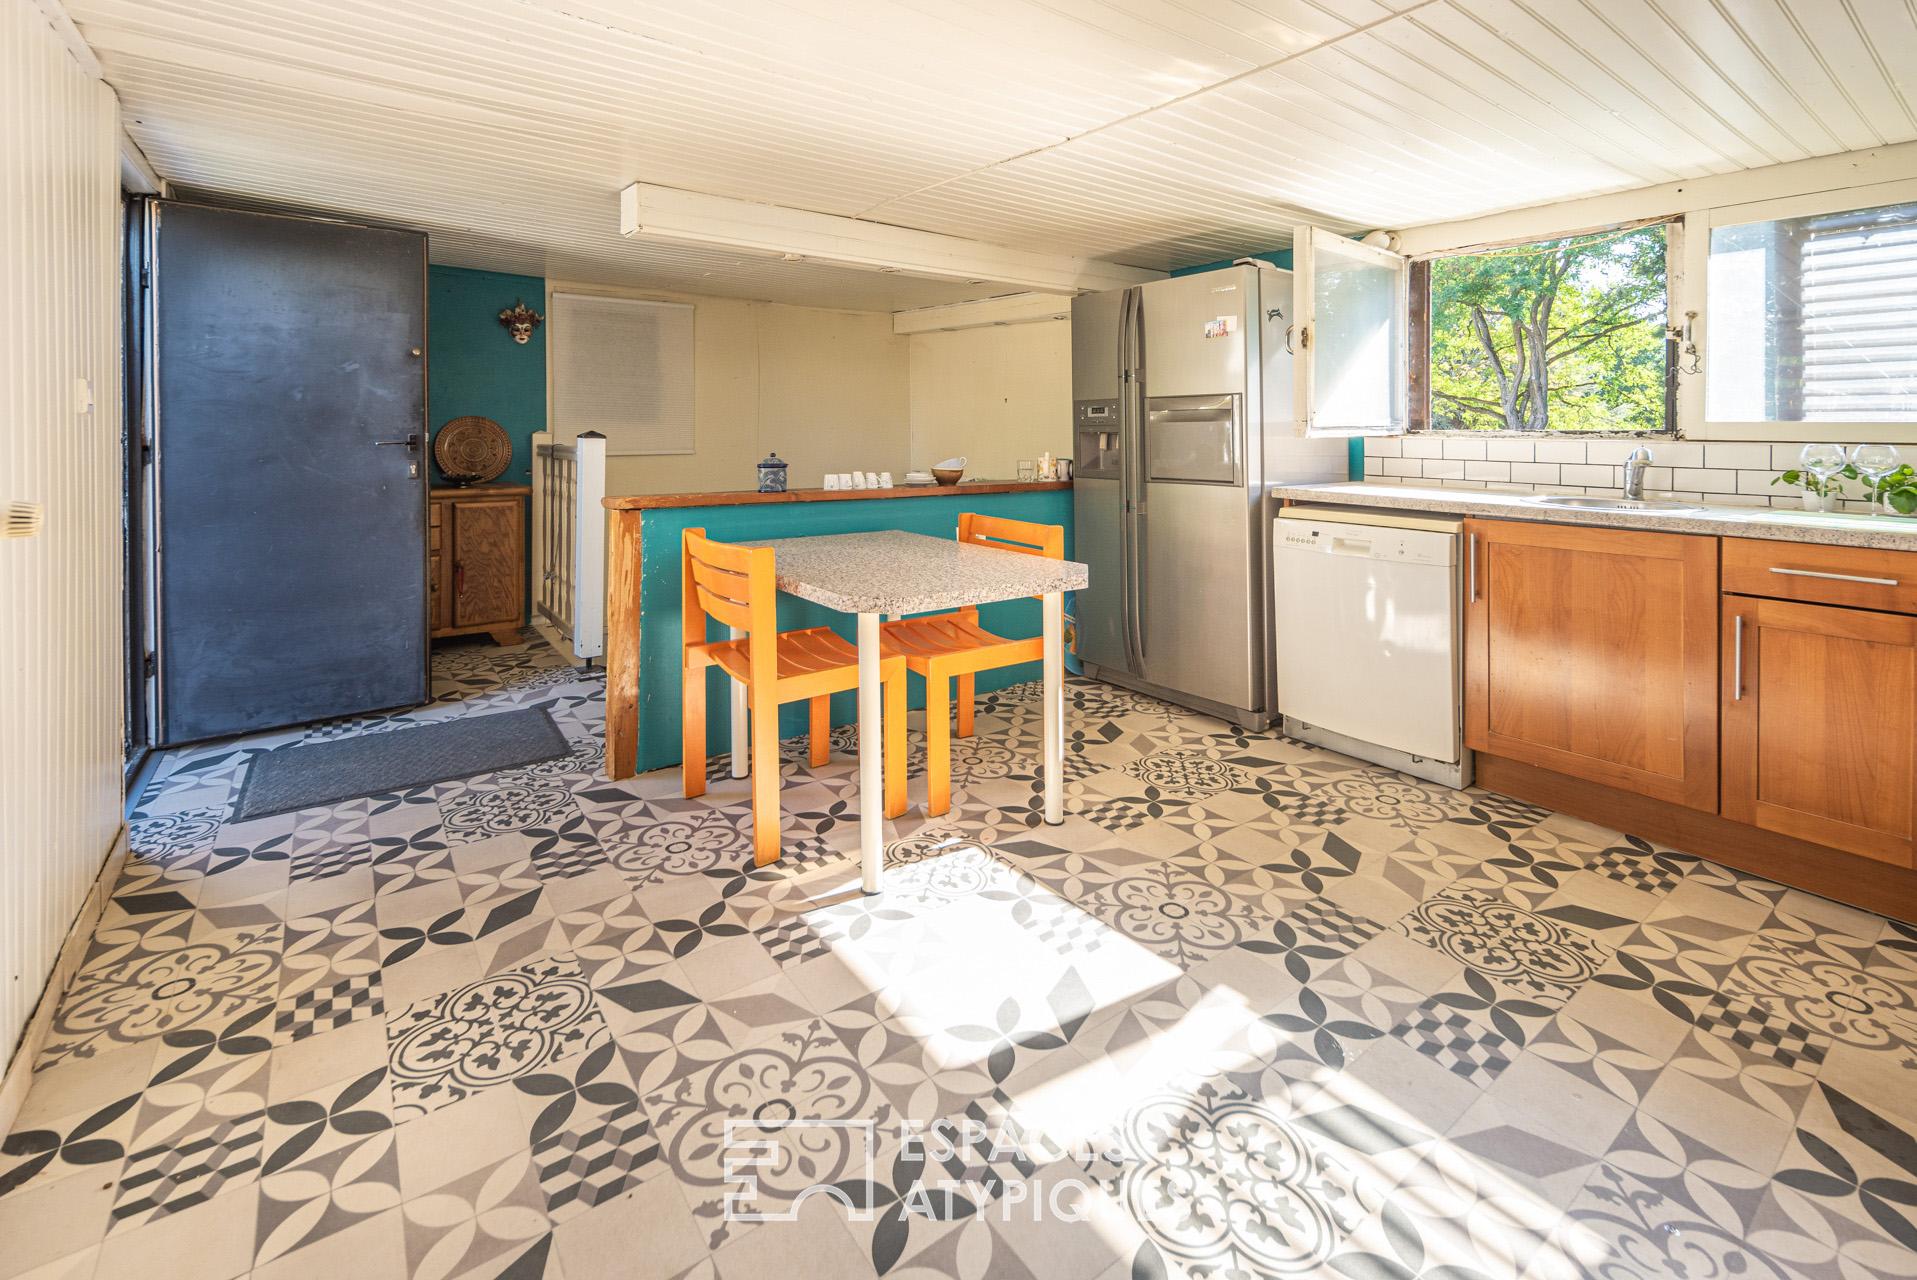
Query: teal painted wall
[
  {"x": 473, "y": 364},
  {"x": 1280, "y": 258},
  {"x": 660, "y": 617}
]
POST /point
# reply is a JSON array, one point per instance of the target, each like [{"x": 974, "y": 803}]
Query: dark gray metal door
[{"x": 292, "y": 551}]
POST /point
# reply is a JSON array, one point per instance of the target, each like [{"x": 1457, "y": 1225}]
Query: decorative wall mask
[{"x": 520, "y": 320}]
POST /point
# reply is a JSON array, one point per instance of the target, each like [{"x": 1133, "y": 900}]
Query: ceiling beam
[
  {"x": 57, "y": 17},
  {"x": 653, "y": 212}
]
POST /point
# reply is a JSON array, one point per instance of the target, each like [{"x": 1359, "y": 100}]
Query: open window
[
  {"x": 1564, "y": 334},
  {"x": 1349, "y": 300}
]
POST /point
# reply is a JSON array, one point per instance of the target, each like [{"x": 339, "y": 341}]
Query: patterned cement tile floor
[{"x": 1254, "y": 1010}]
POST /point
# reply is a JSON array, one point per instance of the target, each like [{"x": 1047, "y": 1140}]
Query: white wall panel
[{"x": 60, "y": 666}]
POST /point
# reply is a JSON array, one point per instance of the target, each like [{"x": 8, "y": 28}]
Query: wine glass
[
  {"x": 1874, "y": 462},
  {"x": 1823, "y": 461}
]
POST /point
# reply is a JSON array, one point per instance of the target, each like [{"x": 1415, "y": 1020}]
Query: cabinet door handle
[
  {"x": 1472, "y": 576},
  {"x": 1835, "y": 577},
  {"x": 1737, "y": 659}
]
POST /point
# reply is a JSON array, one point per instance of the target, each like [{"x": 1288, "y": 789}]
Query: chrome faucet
[{"x": 1634, "y": 472}]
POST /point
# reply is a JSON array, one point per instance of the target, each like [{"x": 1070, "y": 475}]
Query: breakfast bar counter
[{"x": 972, "y": 489}]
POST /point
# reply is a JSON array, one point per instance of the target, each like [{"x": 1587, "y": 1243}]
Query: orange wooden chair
[
  {"x": 941, "y": 646},
  {"x": 735, "y": 585}
]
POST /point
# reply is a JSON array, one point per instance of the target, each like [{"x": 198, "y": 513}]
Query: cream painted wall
[
  {"x": 60, "y": 656},
  {"x": 825, "y": 389},
  {"x": 995, "y": 394}
]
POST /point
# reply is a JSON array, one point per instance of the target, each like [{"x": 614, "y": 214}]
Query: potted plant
[
  {"x": 1819, "y": 491},
  {"x": 1898, "y": 491}
]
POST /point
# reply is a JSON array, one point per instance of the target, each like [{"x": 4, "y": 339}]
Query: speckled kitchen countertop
[
  {"x": 1889, "y": 533},
  {"x": 896, "y": 572}
]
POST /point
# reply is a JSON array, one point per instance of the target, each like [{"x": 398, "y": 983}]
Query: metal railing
[{"x": 569, "y": 539}]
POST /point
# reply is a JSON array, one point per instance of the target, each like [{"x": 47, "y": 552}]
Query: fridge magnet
[{"x": 1221, "y": 327}]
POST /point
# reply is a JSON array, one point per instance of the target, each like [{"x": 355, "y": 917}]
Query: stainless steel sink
[{"x": 1585, "y": 502}]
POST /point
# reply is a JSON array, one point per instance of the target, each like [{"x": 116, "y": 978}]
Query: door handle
[
  {"x": 411, "y": 442},
  {"x": 1737, "y": 659},
  {"x": 1472, "y": 576},
  {"x": 1835, "y": 577},
  {"x": 1288, "y": 347}
]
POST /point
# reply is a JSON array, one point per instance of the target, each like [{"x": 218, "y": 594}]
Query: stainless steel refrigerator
[{"x": 1183, "y": 413}]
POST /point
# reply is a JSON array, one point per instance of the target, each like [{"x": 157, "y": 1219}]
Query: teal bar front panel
[{"x": 660, "y": 620}]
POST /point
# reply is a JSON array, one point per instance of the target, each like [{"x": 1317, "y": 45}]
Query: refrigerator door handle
[{"x": 1132, "y": 326}]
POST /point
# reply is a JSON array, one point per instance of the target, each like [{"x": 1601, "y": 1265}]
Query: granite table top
[
  {"x": 1841, "y": 529},
  {"x": 896, "y": 572}
]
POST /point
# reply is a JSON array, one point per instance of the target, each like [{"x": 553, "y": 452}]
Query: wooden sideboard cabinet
[
  {"x": 1593, "y": 653},
  {"x": 479, "y": 560}
]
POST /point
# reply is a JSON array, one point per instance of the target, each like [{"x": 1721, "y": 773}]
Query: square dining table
[{"x": 893, "y": 573}]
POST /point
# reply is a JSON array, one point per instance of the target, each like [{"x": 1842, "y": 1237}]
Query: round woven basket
[{"x": 472, "y": 449}]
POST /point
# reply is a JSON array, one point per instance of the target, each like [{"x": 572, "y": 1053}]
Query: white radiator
[{"x": 569, "y": 539}]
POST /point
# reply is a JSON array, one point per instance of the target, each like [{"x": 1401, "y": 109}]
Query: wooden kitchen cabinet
[
  {"x": 1594, "y": 653},
  {"x": 1820, "y": 724},
  {"x": 478, "y": 557}
]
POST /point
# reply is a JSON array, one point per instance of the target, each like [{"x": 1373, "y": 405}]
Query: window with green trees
[{"x": 1559, "y": 335}]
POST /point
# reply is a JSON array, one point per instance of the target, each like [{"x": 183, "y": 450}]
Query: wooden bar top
[{"x": 648, "y": 501}]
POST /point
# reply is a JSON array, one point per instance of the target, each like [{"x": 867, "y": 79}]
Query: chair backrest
[
  {"x": 1023, "y": 536},
  {"x": 737, "y": 586}
]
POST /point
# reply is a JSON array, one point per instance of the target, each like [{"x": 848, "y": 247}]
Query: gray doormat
[{"x": 320, "y": 773}]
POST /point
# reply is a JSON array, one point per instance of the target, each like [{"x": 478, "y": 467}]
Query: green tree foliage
[{"x": 1563, "y": 335}]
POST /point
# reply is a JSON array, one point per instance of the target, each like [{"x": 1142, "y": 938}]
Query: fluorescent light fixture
[
  {"x": 1010, "y": 308},
  {"x": 687, "y": 217}
]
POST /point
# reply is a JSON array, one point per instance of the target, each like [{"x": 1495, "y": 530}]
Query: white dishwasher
[{"x": 1367, "y": 633}]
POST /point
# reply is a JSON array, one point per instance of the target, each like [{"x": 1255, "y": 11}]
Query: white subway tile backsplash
[
  {"x": 1737, "y": 472},
  {"x": 1614, "y": 452},
  {"x": 1559, "y": 450},
  {"x": 1704, "y": 480},
  {"x": 1742, "y": 457}
]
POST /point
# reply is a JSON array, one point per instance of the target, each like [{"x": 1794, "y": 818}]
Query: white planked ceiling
[{"x": 1158, "y": 133}]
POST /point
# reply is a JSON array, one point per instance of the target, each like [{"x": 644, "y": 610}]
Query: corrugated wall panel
[{"x": 60, "y": 664}]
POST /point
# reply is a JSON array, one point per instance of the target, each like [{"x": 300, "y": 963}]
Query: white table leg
[
  {"x": 741, "y": 739},
  {"x": 1053, "y": 609},
  {"x": 871, "y": 756}
]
